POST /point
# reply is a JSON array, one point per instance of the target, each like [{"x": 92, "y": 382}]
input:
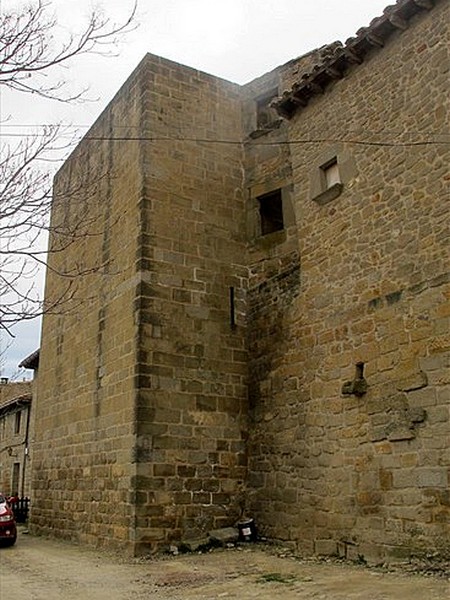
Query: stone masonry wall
[
  {"x": 191, "y": 411},
  {"x": 330, "y": 470},
  {"x": 12, "y": 441},
  {"x": 168, "y": 311},
  {"x": 274, "y": 273},
  {"x": 141, "y": 411},
  {"x": 84, "y": 433}
]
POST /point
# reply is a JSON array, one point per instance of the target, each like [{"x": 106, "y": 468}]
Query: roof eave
[
  {"x": 31, "y": 361},
  {"x": 355, "y": 50}
]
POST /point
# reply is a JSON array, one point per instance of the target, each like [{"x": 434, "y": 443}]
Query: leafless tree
[{"x": 29, "y": 51}]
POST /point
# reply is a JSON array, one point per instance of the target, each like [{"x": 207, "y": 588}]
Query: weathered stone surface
[
  {"x": 224, "y": 536},
  {"x": 326, "y": 547},
  {"x": 372, "y": 289},
  {"x": 206, "y": 360},
  {"x": 416, "y": 415},
  {"x": 401, "y": 432},
  {"x": 194, "y": 545},
  {"x": 415, "y": 381}
]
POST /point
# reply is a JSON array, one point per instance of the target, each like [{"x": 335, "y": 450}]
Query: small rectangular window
[
  {"x": 331, "y": 172},
  {"x": 327, "y": 182},
  {"x": 17, "y": 421},
  {"x": 15, "y": 479},
  {"x": 271, "y": 212}
]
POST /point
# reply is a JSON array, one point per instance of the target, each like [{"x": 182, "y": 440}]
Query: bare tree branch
[
  {"x": 29, "y": 53},
  {"x": 29, "y": 50}
]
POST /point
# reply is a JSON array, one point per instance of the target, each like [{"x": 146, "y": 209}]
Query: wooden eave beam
[
  {"x": 285, "y": 108},
  {"x": 352, "y": 56},
  {"x": 315, "y": 87},
  {"x": 426, "y": 4},
  {"x": 397, "y": 21},
  {"x": 299, "y": 99},
  {"x": 353, "y": 52},
  {"x": 333, "y": 72},
  {"x": 374, "y": 39}
]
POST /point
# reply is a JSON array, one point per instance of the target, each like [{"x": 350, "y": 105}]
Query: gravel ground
[{"x": 38, "y": 568}]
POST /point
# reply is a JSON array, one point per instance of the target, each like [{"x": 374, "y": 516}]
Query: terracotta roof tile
[{"x": 336, "y": 65}]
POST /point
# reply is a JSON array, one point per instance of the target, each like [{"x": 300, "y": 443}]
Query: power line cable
[
  {"x": 255, "y": 143},
  {"x": 117, "y": 126}
]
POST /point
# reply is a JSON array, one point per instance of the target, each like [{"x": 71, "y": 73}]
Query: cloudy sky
[{"x": 234, "y": 39}]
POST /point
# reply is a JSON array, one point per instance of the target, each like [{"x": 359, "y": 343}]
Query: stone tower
[{"x": 248, "y": 305}]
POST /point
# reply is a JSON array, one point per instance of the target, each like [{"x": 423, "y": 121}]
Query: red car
[{"x": 8, "y": 531}]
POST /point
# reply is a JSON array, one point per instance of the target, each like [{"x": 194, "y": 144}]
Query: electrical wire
[{"x": 159, "y": 139}]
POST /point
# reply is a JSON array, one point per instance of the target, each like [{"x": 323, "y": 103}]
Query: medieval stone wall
[
  {"x": 274, "y": 260},
  {"x": 84, "y": 430},
  {"x": 335, "y": 468},
  {"x": 141, "y": 412},
  {"x": 253, "y": 312},
  {"x": 191, "y": 410}
]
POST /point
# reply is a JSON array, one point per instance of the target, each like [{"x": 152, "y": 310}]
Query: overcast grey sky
[{"x": 234, "y": 39}]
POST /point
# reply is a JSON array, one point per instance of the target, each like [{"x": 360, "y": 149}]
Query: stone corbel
[{"x": 358, "y": 386}]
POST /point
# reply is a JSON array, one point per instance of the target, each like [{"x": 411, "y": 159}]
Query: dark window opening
[
  {"x": 17, "y": 422},
  {"x": 232, "y": 309},
  {"x": 359, "y": 373},
  {"x": 15, "y": 479},
  {"x": 271, "y": 212}
]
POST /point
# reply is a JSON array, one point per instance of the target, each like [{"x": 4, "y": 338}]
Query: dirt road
[{"x": 41, "y": 569}]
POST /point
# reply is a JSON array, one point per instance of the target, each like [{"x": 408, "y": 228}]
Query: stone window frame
[
  {"x": 254, "y": 225},
  {"x": 270, "y": 210},
  {"x": 331, "y": 173},
  {"x": 321, "y": 192}
]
